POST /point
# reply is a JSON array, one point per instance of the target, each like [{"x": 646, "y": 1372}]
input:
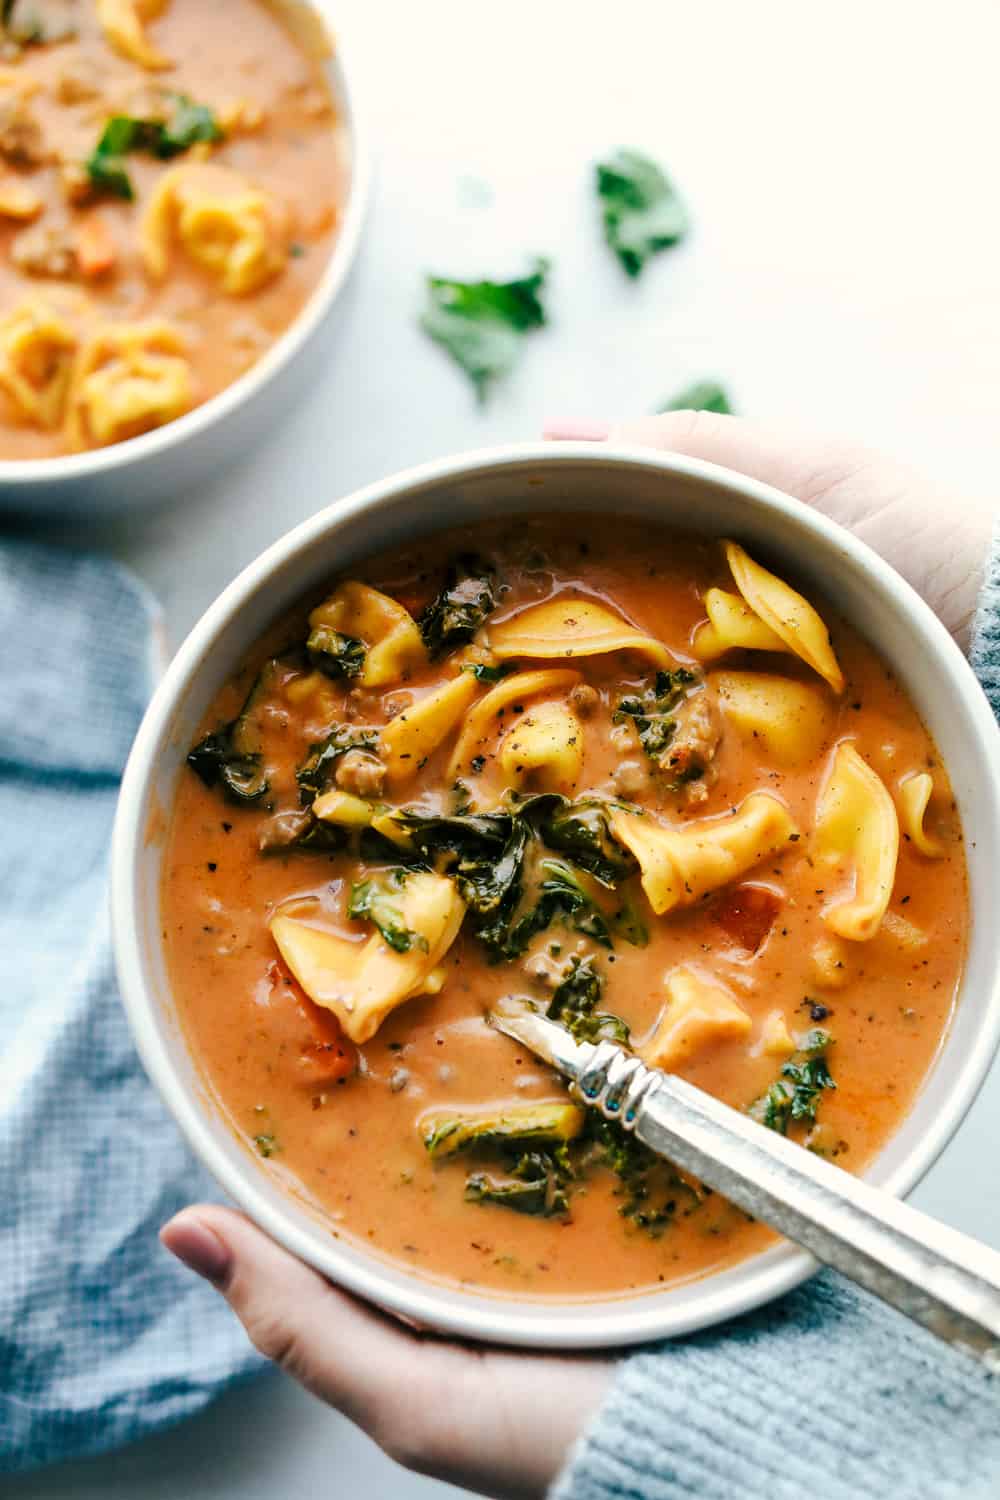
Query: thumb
[{"x": 345, "y": 1353}]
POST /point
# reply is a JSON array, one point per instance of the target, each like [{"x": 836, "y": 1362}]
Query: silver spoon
[{"x": 938, "y": 1277}]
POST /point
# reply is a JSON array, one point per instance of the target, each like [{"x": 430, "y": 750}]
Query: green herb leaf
[
  {"x": 334, "y": 654},
  {"x": 481, "y": 323},
  {"x": 164, "y": 139},
  {"x": 468, "y": 598},
  {"x": 536, "y": 1183},
  {"x": 642, "y": 210},
  {"x": 267, "y": 1145},
  {"x": 574, "y": 1005},
  {"x": 652, "y": 712},
  {"x": 704, "y": 395},
  {"x": 795, "y": 1095},
  {"x": 580, "y": 830},
  {"x": 316, "y": 774},
  {"x": 189, "y": 124},
  {"x": 231, "y": 756},
  {"x": 374, "y": 899},
  {"x": 483, "y": 672}
]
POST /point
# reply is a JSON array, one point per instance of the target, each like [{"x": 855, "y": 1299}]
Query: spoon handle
[{"x": 938, "y": 1277}]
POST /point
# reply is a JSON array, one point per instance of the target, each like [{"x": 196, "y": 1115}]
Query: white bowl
[
  {"x": 172, "y": 459},
  {"x": 671, "y": 490}
]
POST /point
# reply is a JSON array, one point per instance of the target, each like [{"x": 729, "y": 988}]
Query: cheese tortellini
[
  {"x": 36, "y": 359},
  {"x": 915, "y": 793},
  {"x": 731, "y": 626},
  {"x": 487, "y": 716},
  {"x": 393, "y": 648},
  {"x": 700, "y": 1015},
  {"x": 680, "y": 865},
  {"x": 419, "y": 730},
  {"x": 361, "y": 984},
  {"x": 543, "y": 750},
  {"x": 791, "y": 721},
  {"x": 124, "y": 25},
  {"x": 222, "y": 222},
  {"x": 856, "y": 838},
  {"x": 565, "y": 628},
  {"x": 127, "y": 379},
  {"x": 790, "y": 622}
]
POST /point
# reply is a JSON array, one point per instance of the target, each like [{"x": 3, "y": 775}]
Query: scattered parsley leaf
[
  {"x": 704, "y": 395},
  {"x": 481, "y": 323},
  {"x": 642, "y": 210}
]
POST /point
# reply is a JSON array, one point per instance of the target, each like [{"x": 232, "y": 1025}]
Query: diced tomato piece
[
  {"x": 309, "y": 1035},
  {"x": 746, "y": 913}
]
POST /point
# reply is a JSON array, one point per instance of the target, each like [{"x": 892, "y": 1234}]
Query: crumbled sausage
[
  {"x": 79, "y": 81},
  {"x": 74, "y": 179},
  {"x": 584, "y": 700},
  {"x": 44, "y": 250},
  {"x": 631, "y": 778},
  {"x": 21, "y": 140},
  {"x": 696, "y": 741},
  {"x": 361, "y": 774},
  {"x": 281, "y": 831}
]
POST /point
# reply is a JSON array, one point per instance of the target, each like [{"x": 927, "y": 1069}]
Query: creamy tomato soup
[
  {"x": 635, "y": 778},
  {"x": 170, "y": 181}
]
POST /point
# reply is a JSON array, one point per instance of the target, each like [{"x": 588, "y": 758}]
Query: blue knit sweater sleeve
[{"x": 827, "y": 1393}]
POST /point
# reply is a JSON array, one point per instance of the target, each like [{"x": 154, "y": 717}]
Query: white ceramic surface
[
  {"x": 174, "y": 458},
  {"x": 579, "y": 477}
]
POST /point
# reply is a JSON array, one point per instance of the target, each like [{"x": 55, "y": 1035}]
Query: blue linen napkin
[{"x": 103, "y": 1337}]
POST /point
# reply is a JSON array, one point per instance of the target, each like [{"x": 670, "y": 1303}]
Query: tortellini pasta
[
  {"x": 389, "y": 632},
  {"x": 791, "y": 720},
  {"x": 224, "y": 224},
  {"x": 36, "y": 359},
  {"x": 361, "y": 984},
  {"x": 19, "y": 201},
  {"x": 775, "y": 1038},
  {"x": 564, "y": 628},
  {"x": 700, "y": 1015},
  {"x": 419, "y": 730},
  {"x": 124, "y": 25},
  {"x": 127, "y": 379},
  {"x": 856, "y": 837},
  {"x": 680, "y": 865},
  {"x": 915, "y": 793},
  {"x": 487, "y": 715},
  {"x": 789, "y": 619},
  {"x": 543, "y": 750},
  {"x": 731, "y": 626}
]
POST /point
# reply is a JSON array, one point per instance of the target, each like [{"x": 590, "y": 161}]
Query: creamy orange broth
[
  {"x": 282, "y": 142},
  {"x": 354, "y": 1147}
]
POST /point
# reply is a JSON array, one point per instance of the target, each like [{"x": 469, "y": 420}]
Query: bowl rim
[
  {"x": 613, "y": 1320},
  {"x": 353, "y": 116}
]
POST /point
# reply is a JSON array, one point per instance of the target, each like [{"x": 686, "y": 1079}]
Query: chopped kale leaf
[
  {"x": 468, "y": 598},
  {"x": 231, "y": 756},
  {"x": 189, "y": 124},
  {"x": 374, "y": 899},
  {"x": 483, "y": 672},
  {"x": 652, "y": 712},
  {"x": 334, "y": 654},
  {"x": 795, "y": 1095},
  {"x": 315, "y": 775},
  {"x": 536, "y": 1183},
  {"x": 574, "y": 1005},
  {"x": 580, "y": 831},
  {"x": 481, "y": 323},
  {"x": 642, "y": 210}
]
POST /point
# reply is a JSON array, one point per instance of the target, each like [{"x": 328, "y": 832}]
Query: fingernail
[
  {"x": 581, "y": 432},
  {"x": 197, "y": 1246}
]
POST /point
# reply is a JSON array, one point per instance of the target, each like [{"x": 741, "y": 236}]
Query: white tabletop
[{"x": 844, "y": 273}]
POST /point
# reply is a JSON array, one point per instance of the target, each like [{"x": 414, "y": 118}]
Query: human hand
[
  {"x": 498, "y": 1423},
  {"x": 493, "y": 1421},
  {"x": 937, "y": 541}
]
